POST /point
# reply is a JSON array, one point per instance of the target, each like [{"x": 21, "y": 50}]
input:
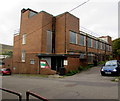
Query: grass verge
[
  {"x": 80, "y": 69},
  {"x": 116, "y": 79}
]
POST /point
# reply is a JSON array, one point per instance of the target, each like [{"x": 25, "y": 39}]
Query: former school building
[{"x": 46, "y": 43}]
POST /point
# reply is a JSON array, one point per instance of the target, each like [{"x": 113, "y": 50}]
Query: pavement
[{"x": 85, "y": 85}]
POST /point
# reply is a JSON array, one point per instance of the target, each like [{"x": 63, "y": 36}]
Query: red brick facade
[{"x": 37, "y": 44}]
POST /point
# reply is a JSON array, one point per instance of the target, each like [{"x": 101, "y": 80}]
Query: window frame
[
  {"x": 84, "y": 40},
  {"x": 91, "y": 41},
  {"x": 23, "y": 55},
  {"x": 75, "y": 41},
  {"x": 31, "y": 61},
  {"x": 24, "y": 39}
]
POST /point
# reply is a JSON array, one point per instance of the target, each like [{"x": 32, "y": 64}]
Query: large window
[
  {"x": 103, "y": 46},
  {"x": 24, "y": 39},
  {"x": 23, "y": 56},
  {"x": 49, "y": 41},
  {"x": 89, "y": 42},
  {"x": 110, "y": 48},
  {"x": 95, "y": 44},
  {"x": 107, "y": 47},
  {"x": 82, "y": 40},
  {"x": 100, "y": 45},
  {"x": 73, "y": 37}
]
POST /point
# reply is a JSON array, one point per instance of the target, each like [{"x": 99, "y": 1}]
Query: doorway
[{"x": 57, "y": 63}]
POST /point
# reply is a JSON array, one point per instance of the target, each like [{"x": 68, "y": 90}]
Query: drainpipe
[{"x": 65, "y": 34}]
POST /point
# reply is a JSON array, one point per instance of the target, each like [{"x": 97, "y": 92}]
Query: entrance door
[{"x": 56, "y": 63}]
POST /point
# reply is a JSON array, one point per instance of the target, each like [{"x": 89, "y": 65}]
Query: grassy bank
[{"x": 80, "y": 69}]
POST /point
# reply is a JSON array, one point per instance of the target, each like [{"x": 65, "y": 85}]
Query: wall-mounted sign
[
  {"x": 43, "y": 64},
  {"x": 65, "y": 62},
  {"x": 14, "y": 68}
]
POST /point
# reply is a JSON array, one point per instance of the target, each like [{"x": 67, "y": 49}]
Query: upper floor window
[
  {"x": 95, "y": 44},
  {"x": 107, "y": 47},
  {"x": 31, "y": 14},
  {"x": 23, "y": 56},
  {"x": 100, "y": 45},
  {"x": 24, "y": 39},
  {"x": 49, "y": 41},
  {"x": 82, "y": 40},
  {"x": 73, "y": 37},
  {"x": 110, "y": 48},
  {"x": 103, "y": 46},
  {"x": 89, "y": 42}
]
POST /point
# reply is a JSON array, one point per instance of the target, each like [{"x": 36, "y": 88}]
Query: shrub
[{"x": 81, "y": 68}]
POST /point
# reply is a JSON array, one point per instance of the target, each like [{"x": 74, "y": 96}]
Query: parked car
[
  {"x": 111, "y": 68},
  {"x": 5, "y": 71}
]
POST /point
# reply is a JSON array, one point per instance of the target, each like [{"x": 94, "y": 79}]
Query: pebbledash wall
[{"x": 47, "y": 43}]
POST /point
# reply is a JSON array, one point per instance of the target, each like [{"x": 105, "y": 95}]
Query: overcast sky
[{"x": 98, "y": 16}]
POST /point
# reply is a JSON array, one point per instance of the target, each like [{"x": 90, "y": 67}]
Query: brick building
[{"x": 46, "y": 43}]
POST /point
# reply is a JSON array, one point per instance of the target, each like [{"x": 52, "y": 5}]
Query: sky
[{"x": 97, "y": 17}]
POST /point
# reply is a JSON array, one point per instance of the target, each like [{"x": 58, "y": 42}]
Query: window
[
  {"x": 107, "y": 47},
  {"x": 110, "y": 48},
  {"x": 24, "y": 39},
  {"x": 103, "y": 46},
  {"x": 100, "y": 45},
  {"x": 32, "y": 62},
  {"x": 95, "y": 44},
  {"x": 31, "y": 14},
  {"x": 89, "y": 42},
  {"x": 49, "y": 42},
  {"x": 82, "y": 40},
  {"x": 73, "y": 37},
  {"x": 23, "y": 56}
]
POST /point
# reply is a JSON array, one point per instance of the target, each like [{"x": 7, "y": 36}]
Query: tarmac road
[{"x": 85, "y": 85}]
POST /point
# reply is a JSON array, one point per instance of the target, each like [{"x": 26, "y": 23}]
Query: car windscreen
[
  {"x": 111, "y": 63},
  {"x": 7, "y": 69}
]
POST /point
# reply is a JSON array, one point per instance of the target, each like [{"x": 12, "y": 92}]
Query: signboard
[
  {"x": 43, "y": 64},
  {"x": 65, "y": 62}
]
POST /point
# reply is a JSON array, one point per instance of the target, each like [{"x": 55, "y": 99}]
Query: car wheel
[
  {"x": 102, "y": 74},
  {"x": 2, "y": 74}
]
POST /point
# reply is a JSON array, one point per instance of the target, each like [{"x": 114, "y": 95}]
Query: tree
[
  {"x": 9, "y": 53},
  {"x": 116, "y": 47}
]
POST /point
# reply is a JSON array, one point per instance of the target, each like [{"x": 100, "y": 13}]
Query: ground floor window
[{"x": 32, "y": 62}]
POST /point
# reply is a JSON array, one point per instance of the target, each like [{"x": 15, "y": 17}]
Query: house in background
[
  {"x": 5, "y": 51},
  {"x": 47, "y": 43}
]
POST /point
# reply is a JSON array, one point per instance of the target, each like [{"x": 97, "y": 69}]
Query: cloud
[{"x": 100, "y": 16}]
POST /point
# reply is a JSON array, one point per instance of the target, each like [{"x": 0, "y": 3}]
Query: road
[{"x": 86, "y": 85}]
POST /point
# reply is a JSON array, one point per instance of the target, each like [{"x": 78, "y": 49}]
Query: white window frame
[
  {"x": 32, "y": 61},
  {"x": 84, "y": 39},
  {"x": 23, "y": 56},
  {"x": 91, "y": 41},
  {"x": 76, "y": 38},
  {"x": 24, "y": 39},
  {"x": 101, "y": 45},
  {"x": 76, "y": 41}
]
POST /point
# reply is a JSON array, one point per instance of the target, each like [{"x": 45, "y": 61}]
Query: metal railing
[
  {"x": 13, "y": 92},
  {"x": 28, "y": 93}
]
